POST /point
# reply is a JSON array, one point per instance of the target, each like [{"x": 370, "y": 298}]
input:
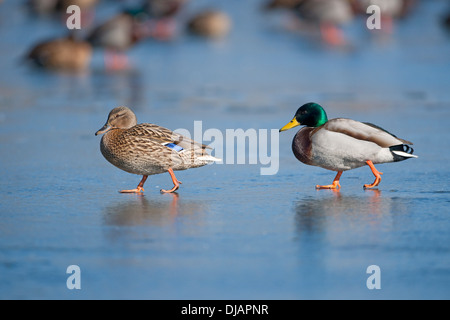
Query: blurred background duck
[
  {"x": 209, "y": 23},
  {"x": 343, "y": 144},
  {"x": 62, "y": 54},
  {"x": 119, "y": 34},
  {"x": 326, "y": 15}
]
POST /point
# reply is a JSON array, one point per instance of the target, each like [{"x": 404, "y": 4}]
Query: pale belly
[{"x": 339, "y": 152}]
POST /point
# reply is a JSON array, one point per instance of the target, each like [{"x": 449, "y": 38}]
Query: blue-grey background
[{"x": 230, "y": 233}]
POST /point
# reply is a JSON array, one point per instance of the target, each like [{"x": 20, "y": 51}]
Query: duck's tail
[
  {"x": 209, "y": 158},
  {"x": 402, "y": 152}
]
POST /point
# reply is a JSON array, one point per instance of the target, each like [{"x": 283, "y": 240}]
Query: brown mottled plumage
[{"x": 147, "y": 149}]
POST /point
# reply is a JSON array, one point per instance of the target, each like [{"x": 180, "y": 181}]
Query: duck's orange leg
[
  {"x": 138, "y": 189},
  {"x": 376, "y": 173},
  {"x": 334, "y": 185},
  {"x": 176, "y": 183}
]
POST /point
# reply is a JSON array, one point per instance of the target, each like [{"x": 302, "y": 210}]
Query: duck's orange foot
[
  {"x": 176, "y": 183},
  {"x": 374, "y": 184},
  {"x": 377, "y": 175},
  {"x": 175, "y": 188},
  {"x": 335, "y": 185},
  {"x": 137, "y": 190}
]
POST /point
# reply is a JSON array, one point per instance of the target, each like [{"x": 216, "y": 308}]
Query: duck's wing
[
  {"x": 164, "y": 136},
  {"x": 379, "y": 128},
  {"x": 364, "y": 131}
]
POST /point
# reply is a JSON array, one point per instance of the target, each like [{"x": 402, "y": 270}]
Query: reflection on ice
[
  {"x": 338, "y": 212},
  {"x": 140, "y": 210}
]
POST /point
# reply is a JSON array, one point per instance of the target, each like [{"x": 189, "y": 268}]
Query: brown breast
[{"x": 301, "y": 145}]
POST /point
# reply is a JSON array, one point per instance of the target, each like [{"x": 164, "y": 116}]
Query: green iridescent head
[{"x": 310, "y": 114}]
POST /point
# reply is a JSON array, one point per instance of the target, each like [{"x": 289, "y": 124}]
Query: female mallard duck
[
  {"x": 146, "y": 149},
  {"x": 343, "y": 144}
]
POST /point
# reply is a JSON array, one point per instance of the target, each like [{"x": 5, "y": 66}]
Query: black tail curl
[{"x": 403, "y": 148}]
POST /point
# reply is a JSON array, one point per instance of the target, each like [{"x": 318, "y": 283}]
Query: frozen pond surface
[{"x": 229, "y": 233}]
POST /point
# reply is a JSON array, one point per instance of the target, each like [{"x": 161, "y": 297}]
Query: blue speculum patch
[{"x": 174, "y": 147}]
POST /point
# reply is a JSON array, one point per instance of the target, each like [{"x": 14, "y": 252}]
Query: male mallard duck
[
  {"x": 210, "y": 23},
  {"x": 62, "y": 54},
  {"x": 146, "y": 149},
  {"x": 343, "y": 144}
]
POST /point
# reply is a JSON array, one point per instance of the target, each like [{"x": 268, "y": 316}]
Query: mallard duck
[
  {"x": 66, "y": 54},
  {"x": 210, "y": 23},
  {"x": 147, "y": 149},
  {"x": 117, "y": 35},
  {"x": 343, "y": 144}
]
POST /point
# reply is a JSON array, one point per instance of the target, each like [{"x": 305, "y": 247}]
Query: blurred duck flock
[{"x": 199, "y": 94}]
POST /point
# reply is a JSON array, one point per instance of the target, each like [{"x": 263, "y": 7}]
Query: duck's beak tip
[{"x": 104, "y": 129}]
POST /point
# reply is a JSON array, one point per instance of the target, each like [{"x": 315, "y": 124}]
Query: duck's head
[
  {"x": 119, "y": 118},
  {"x": 310, "y": 114}
]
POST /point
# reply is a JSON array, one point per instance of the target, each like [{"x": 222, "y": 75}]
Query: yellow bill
[{"x": 291, "y": 124}]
